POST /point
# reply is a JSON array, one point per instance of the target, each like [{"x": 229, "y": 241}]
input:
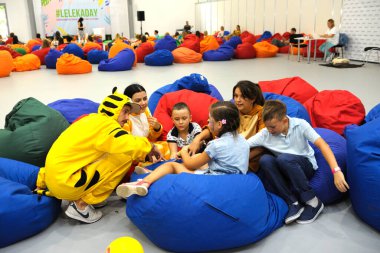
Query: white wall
[
  {"x": 257, "y": 16},
  {"x": 18, "y": 19},
  {"x": 163, "y": 15}
]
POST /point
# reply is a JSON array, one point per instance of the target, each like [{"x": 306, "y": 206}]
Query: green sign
[{"x": 76, "y": 13}]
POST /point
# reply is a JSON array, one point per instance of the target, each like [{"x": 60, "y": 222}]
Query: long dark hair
[
  {"x": 250, "y": 90},
  {"x": 228, "y": 113},
  {"x": 132, "y": 89}
]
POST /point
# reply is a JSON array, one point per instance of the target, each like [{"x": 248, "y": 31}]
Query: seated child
[
  {"x": 184, "y": 131},
  {"x": 227, "y": 154},
  {"x": 292, "y": 164}
]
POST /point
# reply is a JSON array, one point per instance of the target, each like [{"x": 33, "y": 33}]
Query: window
[{"x": 4, "y": 30}]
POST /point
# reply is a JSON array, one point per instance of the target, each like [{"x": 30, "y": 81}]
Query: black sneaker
[
  {"x": 294, "y": 213},
  {"x": 310, "y": 213}
]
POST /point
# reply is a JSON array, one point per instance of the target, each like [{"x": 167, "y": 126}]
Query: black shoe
[
  {"x": 310, "y": 213},
  {"x": 294, "y": 213}
]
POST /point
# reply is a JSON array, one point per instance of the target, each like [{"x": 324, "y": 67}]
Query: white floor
[{"x": 337, "y": 230}]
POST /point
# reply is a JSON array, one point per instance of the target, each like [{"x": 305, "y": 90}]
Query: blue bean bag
[
  {"x": 122, "y": 61},
  {"x": 22, "y": 213},
  {"x": 159, "y": 58},
  {"x": 233, "y": 42},
  {"x": 265, "y": 35},
  {"x": 74, "y": 49},
  {"x": 323, "y": 180},
  {"x": 200, "y": 213},
  {"x": 95, "y": 56},
  {"x": 71, "y": 109},
  {"x": 223, "y": 53},
  {"x": 294, "y": 108},
  {"x": 195, "y": 82},
  {"x": 36, "y": 47},
  {"x": 51, "y": 58},
  {"x": 168, "y": 43},
  {"x": 363, "y": 170},
  {"x": 373, "y": 114}
]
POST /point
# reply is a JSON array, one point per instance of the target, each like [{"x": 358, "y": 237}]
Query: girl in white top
[
  {"x": 228, "y": 154},
  {"x": 332, "y": 36}
]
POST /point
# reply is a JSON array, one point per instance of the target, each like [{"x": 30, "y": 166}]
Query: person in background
[
  {"x": 292, "y": 163},
  {"x": 156, "y": 35},
  {"x": 187, "y": 27},
  {"x": 221, "y": 32},
  {"x": 332, "y": 36},
  {"x": 227, "y": 154},
  {"x": 81, "y": 34},
  {"x": 183, "y": 131},
  {"x": 284, "y": 42}
]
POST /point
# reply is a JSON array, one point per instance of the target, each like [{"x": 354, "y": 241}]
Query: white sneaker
[
  {"x": 128, "y": 189},
  {"x": 141, "y": 170},
  {"x": 88, "y": 215}
]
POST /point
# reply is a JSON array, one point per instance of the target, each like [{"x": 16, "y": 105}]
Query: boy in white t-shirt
[{"x": 332, "y": 36}]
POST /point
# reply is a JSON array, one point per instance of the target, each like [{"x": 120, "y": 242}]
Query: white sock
[
  {"x": 295, "y": 203},
  {"x": 313, "y": 202}
]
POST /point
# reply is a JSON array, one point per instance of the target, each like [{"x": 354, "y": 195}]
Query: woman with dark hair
[
  {"x": 143, "y": 123},
  {"x": 80, "y": 29},
  {"x": 249, "y": 100}
]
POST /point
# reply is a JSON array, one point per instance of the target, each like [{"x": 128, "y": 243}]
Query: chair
[
  {"x": 343, "y": 41},
  {"x": 368, "y": 51},
  {"x": 293, "y": 42}
]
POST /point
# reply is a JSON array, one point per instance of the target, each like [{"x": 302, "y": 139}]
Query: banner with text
[{"x": 63, "y": 15}]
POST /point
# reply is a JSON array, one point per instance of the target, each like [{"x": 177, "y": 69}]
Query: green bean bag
[{"x": 30, "y": 130}]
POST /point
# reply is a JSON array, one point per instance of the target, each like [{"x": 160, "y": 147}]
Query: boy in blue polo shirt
[{"x": 293, "y": 163}]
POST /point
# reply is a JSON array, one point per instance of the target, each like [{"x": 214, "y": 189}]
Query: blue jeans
[
  {"x": 289, "y": 176},
  {"x": 325, "y": 48}
]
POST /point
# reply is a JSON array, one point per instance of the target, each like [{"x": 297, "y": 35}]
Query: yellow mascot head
[
  {"x": 112, "y": 104},
  {"x": 125, "y": 245}
]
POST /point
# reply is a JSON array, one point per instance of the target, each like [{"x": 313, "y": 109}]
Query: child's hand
[
  {"x": 194, "y": 147},
  {"x": 340, "y": 182},
  {"x": 184, "y": 150}
]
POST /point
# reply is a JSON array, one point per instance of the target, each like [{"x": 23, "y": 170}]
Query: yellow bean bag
[
  {"x": 6, "y": 63},
  {"x": 186, "y": 55},
  {"x": 69, "y": 64},
  {"x": 265, "y": 50},
  {"x": 26, "y": 62},
  {"x": 117, "y": 47},
  {"x": 209, "y": 43}
]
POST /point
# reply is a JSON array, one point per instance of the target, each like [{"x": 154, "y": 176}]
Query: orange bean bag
[
  {"x": 265, "y": 49},
  {"x": 143, "y": 50},
  {"x": 26, "y": 62},
  {"x": 6, "y": 63},
  {"x": 11, "y": 51},
  {"x": 14, "y": 46},
  {"x": 245, "y": 51},
  {"x": 69, "y": 64},
  {"x": 41, "y": 54},
  {"x": 90, "y": 46},
  {"x": 186, "y": 55},
  {"x": 208, "y": 43},
  {"x": 117, "y": 47},
  {"x": 32, "y": 43},
  {"x": 192, "y": 41},
  {"x": 294, "y": 87}
]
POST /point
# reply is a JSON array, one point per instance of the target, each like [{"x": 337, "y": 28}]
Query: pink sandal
[{"x": 140, "y": 188}]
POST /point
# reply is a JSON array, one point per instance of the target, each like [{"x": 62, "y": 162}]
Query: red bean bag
[
  {"x": 91, "y": 46},
  {"x": 294, "y": 87},
  {"x": 26, "y": 63},
  {"x": 192, "y": 41},
  {"x": 6, "y": 63},
  {"x": 247, "y": 37},
  {"x": 69, "y": 64},
  {"x": 32, "y": 43},
  {"x": 208, "y": 43},
  {"x": 245, "y": 51},
  {"x": 186, "y": 55},
  {"x": 13, "y": 53},
  {"x": 335, "y": 109},
  {"x": 286, "y": 35},
  {"x": 319, "y": 53},
  {"x": 62, "y": 46},
  {"x": 219, "y": 40},
  {"x": 265, "y": 50},
  {"x": 41, "y": 53},
  {"x": 143, "y": 50},
  {"x": 198, "y": 103}
]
